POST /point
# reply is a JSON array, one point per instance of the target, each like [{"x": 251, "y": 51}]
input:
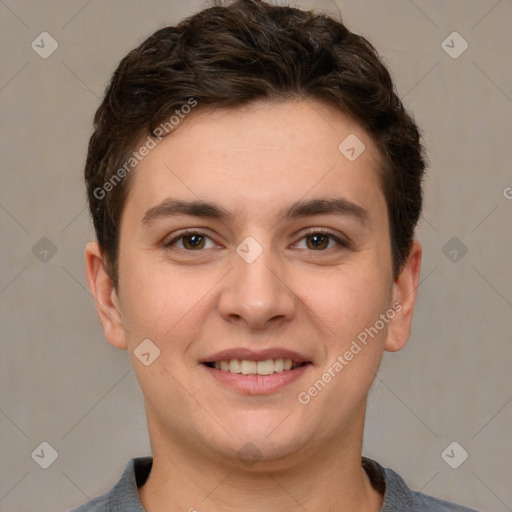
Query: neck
[{"x": 329, "y": 478}]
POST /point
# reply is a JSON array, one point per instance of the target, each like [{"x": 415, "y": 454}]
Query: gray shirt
[{"x": 397, "y": 496}]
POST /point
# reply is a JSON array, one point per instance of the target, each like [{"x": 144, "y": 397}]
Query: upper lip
[{"x": 255, "y": 355}]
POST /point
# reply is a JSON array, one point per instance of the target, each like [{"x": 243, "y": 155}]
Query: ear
[
  {"x": 405, "y": 291},
  {"x": 105, "y": 296}
]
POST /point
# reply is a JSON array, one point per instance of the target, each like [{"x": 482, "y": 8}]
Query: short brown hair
[{"x": 231, "y": 55}]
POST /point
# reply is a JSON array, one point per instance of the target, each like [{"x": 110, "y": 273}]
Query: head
[{"x": 249, "y": 125}]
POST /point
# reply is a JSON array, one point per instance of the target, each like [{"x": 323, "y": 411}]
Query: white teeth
[
  {"x": 234, "y": 366},
  {"x": 247, "y": 367},
  {"x": 265, "y": 367}
]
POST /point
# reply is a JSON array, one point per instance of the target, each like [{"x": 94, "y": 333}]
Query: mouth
[
  {"x": 252, "y": 372},
  {"x": 253, "y": 367}
]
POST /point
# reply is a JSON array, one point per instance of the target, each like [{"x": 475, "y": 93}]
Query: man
[{"x": 255, "y": 184}]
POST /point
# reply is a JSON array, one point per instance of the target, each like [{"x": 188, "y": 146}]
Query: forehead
[{"x": 259, "y": 158}]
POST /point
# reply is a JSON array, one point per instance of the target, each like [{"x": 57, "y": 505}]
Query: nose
[{"x": 256, "y": 293}]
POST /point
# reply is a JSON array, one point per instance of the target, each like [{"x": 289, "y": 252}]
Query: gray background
[{"x": 60, "y": 382}]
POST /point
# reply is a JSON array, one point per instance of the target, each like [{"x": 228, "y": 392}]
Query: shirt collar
[{"x": 124, "y": 496}]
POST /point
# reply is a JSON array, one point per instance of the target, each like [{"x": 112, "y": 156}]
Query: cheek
[
  {"x": 161, "y": 301},
  {"x": 349, "y": 307},
  {"x": 347, "y": 300}
]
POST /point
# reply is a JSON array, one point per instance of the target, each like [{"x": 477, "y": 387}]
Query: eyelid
[
  {"x": 184, "y": 232},
  {"x": 337, "y": 237}
]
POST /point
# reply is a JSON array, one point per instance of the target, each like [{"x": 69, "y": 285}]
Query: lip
[
  {"x": 256, "y": 355},
  {"x": 256, "y": 384}
]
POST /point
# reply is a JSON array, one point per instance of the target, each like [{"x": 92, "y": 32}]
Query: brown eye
[
  {"x": 192, "y": 242},
  {"x": 317, "y": 241},
  {"x": 321, "y": 240}
]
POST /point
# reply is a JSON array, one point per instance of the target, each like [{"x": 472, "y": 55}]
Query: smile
[
  {"x": 250, "y": 367},
  {"x": 256, "y": 372}
]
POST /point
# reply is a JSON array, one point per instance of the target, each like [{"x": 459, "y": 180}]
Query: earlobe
[
  {"x": 105, "y": 296},
  {"x": 405, "y": 291}
]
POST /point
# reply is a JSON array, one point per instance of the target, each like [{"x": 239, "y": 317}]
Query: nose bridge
[{"x": 254, "y": 291}]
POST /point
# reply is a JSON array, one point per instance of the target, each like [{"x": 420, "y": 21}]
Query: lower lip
[{"x": 257, "y": 384}]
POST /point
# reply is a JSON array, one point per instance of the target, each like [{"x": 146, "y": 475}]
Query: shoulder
[
  {"x": 123, "y": 497},
  {"x": 398, "y": 496},
  {"x": 100, "y": 504},
  {"x": 422, "y": 502}
]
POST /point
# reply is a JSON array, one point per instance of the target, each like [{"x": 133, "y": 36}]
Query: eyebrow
[{"x": 171, "y": 207}]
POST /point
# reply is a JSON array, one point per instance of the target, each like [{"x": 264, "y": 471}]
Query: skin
[{"x": 194, "y": 302}]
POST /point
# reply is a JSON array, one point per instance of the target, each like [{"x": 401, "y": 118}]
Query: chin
[{"x": 267, "y": 444}]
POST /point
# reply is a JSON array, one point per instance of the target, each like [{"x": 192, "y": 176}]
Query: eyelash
[{"x": 312, "y": 231}]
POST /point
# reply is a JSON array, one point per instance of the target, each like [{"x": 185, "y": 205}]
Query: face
[{"x": 250, "y": 243}]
